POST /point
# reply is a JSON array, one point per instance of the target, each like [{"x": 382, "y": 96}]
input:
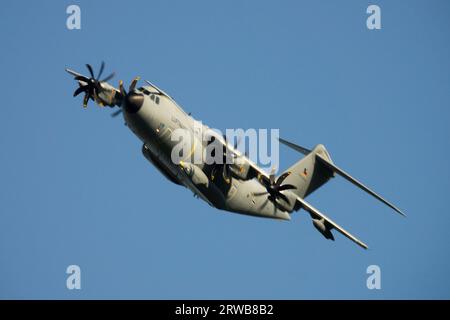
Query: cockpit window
[
  {"x": 145, "y": 91},
  {"x": 157, "y": 100},
  {"x": 152, "y": 97}
]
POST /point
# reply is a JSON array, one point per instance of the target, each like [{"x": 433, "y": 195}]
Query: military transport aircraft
[{"x": 241, "y": 186}]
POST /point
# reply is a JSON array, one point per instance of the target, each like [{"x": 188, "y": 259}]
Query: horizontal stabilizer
[
  {"x": 294, "y": 146},
  {"x": 348, "y": 177},
  {"x": 316, "y": 214}
]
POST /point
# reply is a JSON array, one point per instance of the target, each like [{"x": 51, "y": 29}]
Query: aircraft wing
[{"x": 327, "y": 222}]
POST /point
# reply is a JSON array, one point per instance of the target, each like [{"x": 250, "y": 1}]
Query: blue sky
[{"x": 75, "y": 189}]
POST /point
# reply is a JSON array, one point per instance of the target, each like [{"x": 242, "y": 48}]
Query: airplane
[{"x": 239, "y": 186}]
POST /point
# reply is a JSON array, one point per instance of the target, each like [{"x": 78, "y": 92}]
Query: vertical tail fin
[{"x": 308, "y": 174}]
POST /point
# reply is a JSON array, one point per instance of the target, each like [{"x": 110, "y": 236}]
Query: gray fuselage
[{"x": 155, "y": 121}]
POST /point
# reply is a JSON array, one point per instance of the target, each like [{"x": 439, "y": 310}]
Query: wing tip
[
  {"x": 399, "y": 211},
  {"x": 294, "y": 146},
  {"x": 360, "y": 243}
]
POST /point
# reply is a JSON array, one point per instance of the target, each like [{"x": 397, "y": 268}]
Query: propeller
[
  {"x": 130, "y": 101},
  {"x": 274, "y": 187},
  {"x": 92, "y": 85}
]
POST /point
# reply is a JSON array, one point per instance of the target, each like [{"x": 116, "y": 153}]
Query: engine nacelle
[
  {"x": 108, "y": 96},
  {"x": 196, "y": 174},
  {"x": 323, "y": 228}
]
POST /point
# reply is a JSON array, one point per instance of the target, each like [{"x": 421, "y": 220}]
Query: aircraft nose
[{"x": 133, "y": 102}]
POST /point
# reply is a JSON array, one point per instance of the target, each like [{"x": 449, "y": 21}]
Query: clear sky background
[{"x": 75, "y": 188}]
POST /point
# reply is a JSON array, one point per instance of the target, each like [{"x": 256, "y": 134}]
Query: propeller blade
[
  {"x": 86, "y": 99},
  {"x": 102, "y": 67},
  {"x": 79, "y": 90},
  {"x": 90, "y": 70},
  {"x": 133, "y": 84},
  {"x": 281, "y": 178},
  {"x": 264, "y": 203},
  {"x": 282, "y": 196},
  {"x": 121, "y": 88},
  {"x": 108, "y": 77},
  {"x": 286, "y": 187},
  {"x": 92, "y": 92},
  {"x": 74, "y": 73},
  {"x": 82, "y": 78},
  {"x": 116, "y": 113}
]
